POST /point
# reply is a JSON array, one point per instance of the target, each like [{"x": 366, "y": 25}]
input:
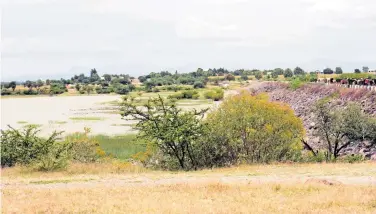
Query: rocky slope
[{"x": 302, "y": 100}]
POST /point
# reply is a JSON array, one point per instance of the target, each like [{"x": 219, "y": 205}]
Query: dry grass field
[{"x": 123, "y": 188}]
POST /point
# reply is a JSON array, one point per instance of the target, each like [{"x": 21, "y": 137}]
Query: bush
[
  {"x": 295, "y": 84},
  {"x": 56, "y": 158},
  {"x": 30, "y": 92},
  {"x": 198, "y": 84},
  {"x": 104, "y": 90},
  {"x": 155, "y": 90},
  {"x": 25, "y": 147},
  {"x": 57, "y": 88},
  {"x": 122, "y": 89},
  {"x": 318, "y": 158},
  {"x": 340, "y": 128},
  {"x": 244, "y": 77},
  {"x": 187, "y": 94},
  {"x": 173, "y": 131},
  {"x": 84, "y": 148},
  {"x": 5, "y": 92},
  {"x": 251, "y": 129},
  {"x": 230, "y": 77},
  {"x": 215, "y": 94},
  {"x": 258, "y": 75},
  {"x": 355, "y": 158}
]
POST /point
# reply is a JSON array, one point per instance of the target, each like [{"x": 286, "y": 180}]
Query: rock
[
  {"x": 311, "y": 125},
  {"x": 373, "y": 157}
]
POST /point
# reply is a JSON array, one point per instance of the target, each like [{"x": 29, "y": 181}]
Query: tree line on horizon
[{"x": 122, "y": 83}]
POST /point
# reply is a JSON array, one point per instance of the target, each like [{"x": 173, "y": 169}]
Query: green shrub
[
  {"x": 244, "y": 77},
  {"x": 30, "y": 92},
  {"x": 258, "y": 75},
  {"x": 122, "y": 89},
  {"x": 25, "y": 147},
  {"x": 57, "y": 157},
  {"x": 173, "y": 131},
  {"x": 250, "y": 129},
  {"x": 295, "y": 83},
  {"x": 187, "y": 94},
  {"x": 177, "y": 96},
  {"x": 215, "y": 94},
  {"x": 84, "y": 148},
  {"x": 230, "y": 77},
  {"x": 57, "y": 88},
  {"x": 318, "y": 158},
  {"x": 355, "y": 158},
  {"x": 198, "y": 84},
  {"x": 5, "y": 92}
]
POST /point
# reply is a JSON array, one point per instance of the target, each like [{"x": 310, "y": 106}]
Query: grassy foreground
[{"x": 114, "y": 188}]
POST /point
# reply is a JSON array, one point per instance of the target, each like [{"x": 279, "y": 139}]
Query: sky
[{"x": 59, "y": 38}]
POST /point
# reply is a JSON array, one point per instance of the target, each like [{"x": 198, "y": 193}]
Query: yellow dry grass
[
  {"x": 115, "y": 187},
  {"x": 193, "y": 198},
  {"x": 327, "y": 75}
]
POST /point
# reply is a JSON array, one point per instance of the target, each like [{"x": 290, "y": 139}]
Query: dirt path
[{"x": 149, "y": 180}]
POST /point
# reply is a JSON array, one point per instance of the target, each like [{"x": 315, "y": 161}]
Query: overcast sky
[{"x": 58, "y": 38}]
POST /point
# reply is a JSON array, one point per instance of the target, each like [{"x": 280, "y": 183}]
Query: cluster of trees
[
  {"x": 121, "y": 84},
  {"x": 198, "y": 79},
  {"x": 110, "y": 83},
  {"x": 243, "y": 129},
  {"x": 34, "y": 87},
  {"x": 338, "y": 70}
]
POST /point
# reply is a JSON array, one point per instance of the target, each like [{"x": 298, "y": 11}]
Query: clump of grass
[
  {"x": 112, "y": 112},
  {"x": 58, "y": 122},
  {"x": 277, "y": 187},
  {"x": 112, "y": 103},
  {"x": 87, "y": 118},
  {"x": 22, "y": 122},
  {"x": 33, "y": 125},
  {"x": 122, "y": 124},
  {"x": 121, "y": 147}
]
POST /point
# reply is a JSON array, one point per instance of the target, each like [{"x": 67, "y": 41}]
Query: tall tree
[
  {"x": 357, "y": 71},
  {"x": 365, "y": 69},
  {"x": 338, "y": 129},
  {"x": 94, "y": 75},
  {"x": 107, "y": 77},
  {"x": 39, "y": 83},
  {"x": 328, "y": 71},
  {"x": 278, "y": 71},
  {"x": 13, "y": 85},
  {"x": 29, "y": 84},
  {"x": 298, "y": 71},
  {"x": 339, "y": 70},
  {"x": 288, "y": 73}
]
